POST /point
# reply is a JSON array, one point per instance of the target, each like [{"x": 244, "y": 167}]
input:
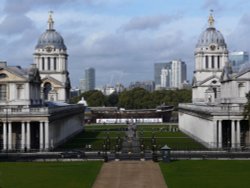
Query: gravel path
[{"x": 130, "y": 174}]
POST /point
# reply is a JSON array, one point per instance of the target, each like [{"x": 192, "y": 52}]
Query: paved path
[{"x": 130, "y": 174}]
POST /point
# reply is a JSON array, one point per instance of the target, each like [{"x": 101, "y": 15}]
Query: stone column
[
  {"x": 9, "y": 136},
  {"x": 220, "y": 133},
  {"x": 46, "y": 135},
  {"x": 41, "y": 136},
  {"x": 28, "y": 135},
  {"x": 4, "y": 136},
  {"x": 23, "y": 136},
  {"x": 233, "y": 134},
  {"x": 238, "y": 134}
]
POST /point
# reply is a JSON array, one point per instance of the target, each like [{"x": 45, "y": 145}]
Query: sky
[{"x": 121, "y": 39}]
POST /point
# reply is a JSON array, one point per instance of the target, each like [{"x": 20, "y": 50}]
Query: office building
[
  {"x": 237, "y": 59},
  {"x": 89, "y": 79}
]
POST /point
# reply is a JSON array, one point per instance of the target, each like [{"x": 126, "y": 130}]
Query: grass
[
  {"x": 96, "y": 137},
  {"x": 206, "y": 174},
  {"x": 49, "y": 175},
  {"x": 175, "y": 140}
]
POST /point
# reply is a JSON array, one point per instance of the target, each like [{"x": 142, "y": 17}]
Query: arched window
[{"x": 46, "y": 89}]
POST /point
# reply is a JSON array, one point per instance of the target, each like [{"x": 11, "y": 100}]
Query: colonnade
[
  {"x": 25, "y": 136},
  {"x": 235, "y": 133}
]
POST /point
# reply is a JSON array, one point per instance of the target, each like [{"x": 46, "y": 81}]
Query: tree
[
  {"x": 246, "y": 112},
  {"x": 112, "y": 100}
]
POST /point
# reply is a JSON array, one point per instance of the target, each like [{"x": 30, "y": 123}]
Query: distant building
[
  {"x": 172, "y": 74},
  {"x": 147, "y": 85},
  {"x": 108, "y": 90},
  {"x": 75, "y": 92},
  {"x": 82, "y": 85},
  {"x": 237, "y": 59},
  {"x": 119, "y": 88},
  {"x": 88, "y": 83},
  {"x": 157, "y": 72},
  {"x": 165, "y": 77},
  {"x": 179, "y": 73}
]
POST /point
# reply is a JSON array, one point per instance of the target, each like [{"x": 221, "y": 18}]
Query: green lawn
[
  {"x": 175, "y": 140},
  {"x": 206, "y": 174},
  {"x": 49, "y": 175},
  {"x": 96, "y": 137}
]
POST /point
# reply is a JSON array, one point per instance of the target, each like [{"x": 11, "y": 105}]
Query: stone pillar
[
  {"x": 233, "y": 134},
  {"x": 9, "y": 136},
  {"x": 28, "y": 135},
  {"x": 41, "y": 136},
  {"x": 46, "y": 135},
  {"x": 23, "y": 136},
  {"x": 4, "y": 136},
  {"x": 219, "y": 133},
  {"x": 238, "y": 134}
]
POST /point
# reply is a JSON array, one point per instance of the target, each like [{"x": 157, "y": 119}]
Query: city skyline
[{"x": 134, "y": 34}]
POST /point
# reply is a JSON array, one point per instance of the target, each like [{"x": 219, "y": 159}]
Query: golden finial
[
  {"x": 211, "y": 19},
  {"x": 50, "y": 20}
]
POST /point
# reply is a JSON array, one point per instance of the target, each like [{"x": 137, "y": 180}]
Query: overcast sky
[{"x": 121, "y": 39}]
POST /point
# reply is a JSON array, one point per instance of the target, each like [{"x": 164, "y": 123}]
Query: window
[
  {"x": 43, "y": 64},
  {"x": 3, "y": 92},
  {"x": 218, "y": 62},
  {"x": 54, "y": 63},
  {"x": 206, "y": 59},
  {"x": 48, "y": 63},
  {"x": 46, "y": 89},
  {"x": 3, "y": 75},
  {"x": 212, "y": 62},
  {"x": 19, "y": 88}
]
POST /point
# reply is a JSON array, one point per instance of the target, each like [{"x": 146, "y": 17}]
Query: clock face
[
  {"x": 212, "y": 47},
  {"x": 48, "y": 49}
]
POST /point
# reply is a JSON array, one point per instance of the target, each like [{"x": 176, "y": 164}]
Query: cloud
[
  {"x": 238, "y": 39},
  {"x": 148, "y": 22},
  {"x": 15, "y": 25},
  {"x": 212, "y": 4}
]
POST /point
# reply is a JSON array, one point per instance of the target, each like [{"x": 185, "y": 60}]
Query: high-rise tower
[{"x": 51, "y": 59}]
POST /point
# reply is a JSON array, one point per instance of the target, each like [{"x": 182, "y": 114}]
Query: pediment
[
  {"x": 53, "y": 81},
  {"x": 212, "y": 80},
  {"x": 8, "y": 76},
  {"x": 244, "y": 76}
]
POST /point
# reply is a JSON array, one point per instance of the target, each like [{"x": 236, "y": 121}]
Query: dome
[
  {"x": 51, "y": 37},
  {"x": 83, "y": 102},
  {"x": 211, "y": 36}
]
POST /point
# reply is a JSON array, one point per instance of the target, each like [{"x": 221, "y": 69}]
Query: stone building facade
[{"x": 215, "y": 116}]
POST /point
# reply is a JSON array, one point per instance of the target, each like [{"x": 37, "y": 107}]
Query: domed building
[
  {"x": 215, "y": 116},
  {"x": 211, "y": 54},
  {"x": 51, "y": 59}
]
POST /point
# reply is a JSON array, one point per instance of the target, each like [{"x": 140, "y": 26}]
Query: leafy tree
[
  {"x": 112, "y": 100},
  {"x": 246, "y": 112}
]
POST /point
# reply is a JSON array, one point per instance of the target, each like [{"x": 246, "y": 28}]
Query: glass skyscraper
[
  {"x": 237, "y": 59},
  {"x": 88, "y": 83}
]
